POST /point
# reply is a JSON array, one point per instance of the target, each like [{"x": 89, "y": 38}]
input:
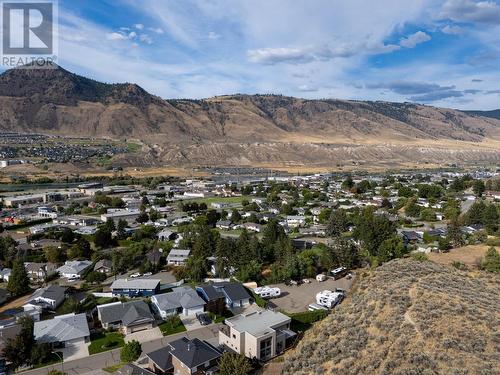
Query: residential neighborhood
[{"x": 199, "y": 273}]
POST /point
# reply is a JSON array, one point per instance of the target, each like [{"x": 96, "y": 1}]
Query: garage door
[{"x": 139, "y": 328}]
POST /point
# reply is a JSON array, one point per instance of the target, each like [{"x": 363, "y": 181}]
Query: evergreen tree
[
  {"x": 19, "y": 282},
  {"x": 337, "y": 224}
]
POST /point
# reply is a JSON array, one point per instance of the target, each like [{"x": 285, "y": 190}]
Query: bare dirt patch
[{"x": 470, "y": 255}]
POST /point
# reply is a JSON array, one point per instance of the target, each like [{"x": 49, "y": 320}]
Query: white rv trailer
[
  {"x": 267, "y": 292},
  {"x": 329, "y": 298}
]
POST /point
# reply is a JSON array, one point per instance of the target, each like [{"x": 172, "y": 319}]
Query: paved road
[{"x": 112, "y": 357}]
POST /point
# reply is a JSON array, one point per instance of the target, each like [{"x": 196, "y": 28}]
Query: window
[{"x": 234, "y": 336}]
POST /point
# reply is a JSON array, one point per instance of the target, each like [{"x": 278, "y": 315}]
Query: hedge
[{"x": 308, "y": 317}]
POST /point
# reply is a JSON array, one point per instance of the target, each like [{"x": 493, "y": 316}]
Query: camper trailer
[
  {"x": 328, "y": 298},
  {"x": 321, "y": 277},
  {"x": 338, "y": 273},
  {"x": 267, "y": 292}
]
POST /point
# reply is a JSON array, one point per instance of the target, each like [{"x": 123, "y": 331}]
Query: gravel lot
[{"x": 297, "y": 298}]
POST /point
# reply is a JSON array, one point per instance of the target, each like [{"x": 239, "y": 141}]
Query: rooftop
[{"x": 258, "y": 323}]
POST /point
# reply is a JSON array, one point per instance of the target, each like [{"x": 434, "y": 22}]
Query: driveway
[
  {"x": 144, "y": 336},
  {"x": 190, "y": 322},
  {"x": 75, "y": 352},
  {"x": 297, "y": 298}
]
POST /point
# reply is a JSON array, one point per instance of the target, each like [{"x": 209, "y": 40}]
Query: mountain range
[{"x": 261, "y": 130}]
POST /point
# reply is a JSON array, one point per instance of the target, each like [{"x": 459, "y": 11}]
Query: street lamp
[{"x": 61, "y": 358}]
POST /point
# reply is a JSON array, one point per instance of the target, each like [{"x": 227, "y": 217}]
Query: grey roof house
[
  {"x": 184, "y": 356},
  {"x": 183, "y": 300},
  {"x": 63, "y": 330},
  {"x": 48, "y": 298},
  {"x": 178, "y": 257},
  {"x": 74, "y": 269},
  {"x": 130, "y": 316},
  {"x": 135, "y": 287},
  {"x": 103, "y": 266},
  {"x": 234, "y": 293}
]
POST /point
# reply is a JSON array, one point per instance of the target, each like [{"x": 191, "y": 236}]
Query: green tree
[
  {"x": 234, "y": 364},
  {"x": 412, "y": 209},
  {"x": 337, "y": 224},
  {"x": 131, "y": 351},
  {"x": 19, "y": 282},
  {"x": 18, "y": 350},
  {"x": 54, "y": 254},
  {"x": 67, "y": 235},
  {"x": 102, "y": 238},
  {"x": 455, "y": 235},
  {"x": 491, "y": 219},
  {"x": 478, "y": 187},
  {"x": 344, "y": 252},
  {"x": 391, "y": 248},
  {"x": 491, "y": 262},
  {"x": 371, "y": 230}
]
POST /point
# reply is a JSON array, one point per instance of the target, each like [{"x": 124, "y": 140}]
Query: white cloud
[
  {"x": 145, "y": 39},
  {"x": 213, "y": 35},
  {"x": 487, "y": 12},
  {"x": 139, "y": 26},
  {"x": 452, "y": 30},
  {"x": 413, "y": 40},
  {"x": 132, "y": 35},
  {"x": 116, "y": 36},
  {"x": 157, "y": 30}
]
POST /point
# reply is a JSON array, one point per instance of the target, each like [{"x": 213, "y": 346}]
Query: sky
[{"x": 443, "y": 53}]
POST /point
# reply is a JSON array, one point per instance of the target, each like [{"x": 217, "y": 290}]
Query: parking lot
[{"x": 297, "y": 298}]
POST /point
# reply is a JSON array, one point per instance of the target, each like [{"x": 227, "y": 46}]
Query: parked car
[
  {"x": 148, "y": 274},
  {"x": 306, "y": 281},
  {"x": 203, "y": 318},
  {"x": 134, "y": 275}
]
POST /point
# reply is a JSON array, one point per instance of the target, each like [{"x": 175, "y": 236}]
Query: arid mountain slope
[
  {"x": 259, "y": 128},
  {"x": 408, "y": 317}
]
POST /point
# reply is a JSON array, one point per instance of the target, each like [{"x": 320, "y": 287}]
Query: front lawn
[
  {"x": 105, "y": 341},
  {"x": 51, "y": 360},
  {"x": 171, "y": 326}
]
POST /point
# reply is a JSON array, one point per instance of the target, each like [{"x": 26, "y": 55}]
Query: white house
[
  {"x": 178, "y": 257},
  {"x": 182, "y": 300},
  {"x": 74, "y": 269}
]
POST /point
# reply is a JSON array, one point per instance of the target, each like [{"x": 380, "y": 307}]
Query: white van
[{"x": 267, "y": 292}]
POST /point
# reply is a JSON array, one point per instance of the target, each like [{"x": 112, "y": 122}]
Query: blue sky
[{"x": 444, "y": 53}]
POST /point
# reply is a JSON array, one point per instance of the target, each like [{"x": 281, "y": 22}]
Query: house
[
  {"x": 131, "y": 369},
  {"x": 254, "y": 227},
  {"x": 103, "y": 266},
  {"x": 130, "y": 317},
  {"x": 178, "y": 257},
  {"x": 184, "y": 357},
  {"x": 69, "y": 330},
  {"x": 182, "y": 300},
  {"x": 260, "y": 334},
  {"x": 295, "y": 220},
  {"x": 135, "y": 287},
  {"x": 39, "y": 271},
  {"x": 48, "y": 298},
  {"x": 166, "y": 235},
  {"x": 5, "y": 274},
  {"x": 235, "y": 294},
  {"x": 410, "y": 236},
  {"x": 224, "y": 224},
  {"x": 214, "y": 299},
  {"x": 74, "y": 269}
]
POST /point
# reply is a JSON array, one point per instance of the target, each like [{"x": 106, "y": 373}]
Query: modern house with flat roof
[
  {"x": 261, "y": 334},
  {"x": 135, "y": 287}
]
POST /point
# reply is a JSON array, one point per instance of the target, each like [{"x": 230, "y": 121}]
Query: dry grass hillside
[
  {"x": 408, "y": 317},
  {"x": 245, "y": 129}
]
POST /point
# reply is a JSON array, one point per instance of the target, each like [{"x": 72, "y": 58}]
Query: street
[{"x": 112, "y": 357}]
